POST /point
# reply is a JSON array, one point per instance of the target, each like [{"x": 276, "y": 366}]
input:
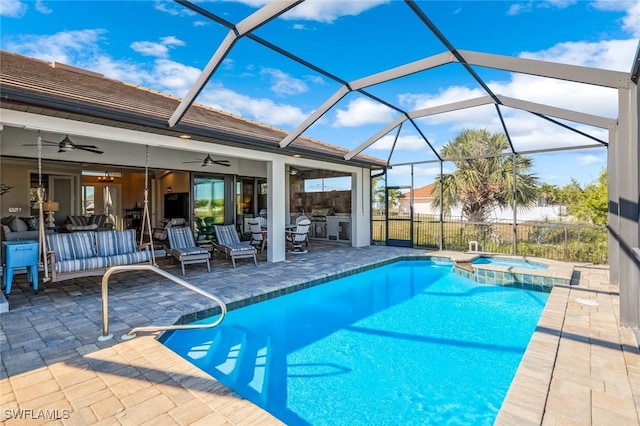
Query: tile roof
[
  {"x": 422, "y": 192},
  {"x": 59, "y": 90}
]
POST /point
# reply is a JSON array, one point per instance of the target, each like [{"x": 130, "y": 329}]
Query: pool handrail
[{"x": 144, "y": 267}]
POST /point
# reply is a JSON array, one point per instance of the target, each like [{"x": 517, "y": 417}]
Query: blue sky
[{"x": 163, "y": 46}]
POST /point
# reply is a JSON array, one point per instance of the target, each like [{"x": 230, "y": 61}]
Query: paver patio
[{"x": 580, "y": 367}]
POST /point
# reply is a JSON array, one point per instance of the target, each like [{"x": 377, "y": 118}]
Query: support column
[
  {"x": 628, "y": 197},
  {"x": 361, "y": 208},
  {"x": 613, "y": 216},
  {"x": 276, "y": 212}
]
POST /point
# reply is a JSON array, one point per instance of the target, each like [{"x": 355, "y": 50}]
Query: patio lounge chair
[
  {"x": 229, "y": 243},
  {"x": 184, "y": 248},
  {"x": 298, "y": 236}
]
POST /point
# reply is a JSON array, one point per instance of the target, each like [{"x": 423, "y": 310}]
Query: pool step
[{"x": 240, "y": 358}]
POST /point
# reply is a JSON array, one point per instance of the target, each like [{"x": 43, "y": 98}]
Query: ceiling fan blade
[
  {"x": 89, "y": 148},
  {"x": 222, "y": 163},
  {"x": 185, "y": 162},
  {"x": 35, "y": 144}
]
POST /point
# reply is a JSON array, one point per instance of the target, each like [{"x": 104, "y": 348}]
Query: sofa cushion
[
  {"x": 84, "y": 244},
  {"x": 81, "y": 264},
  {"x": 61, "y": 245},
  {"x": 129, "y": 258},
  {"x": 110, "y": 243},
  {"x": 75, "y": 228},
  {"x": 18, "y": 225}
]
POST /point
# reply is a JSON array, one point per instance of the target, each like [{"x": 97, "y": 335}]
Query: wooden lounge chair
[
  {"x": 228, "y": 242},
  {"x": 183, "y": 247}
]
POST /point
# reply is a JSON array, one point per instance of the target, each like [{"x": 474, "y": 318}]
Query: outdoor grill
[{"x": 318, "y": 219}]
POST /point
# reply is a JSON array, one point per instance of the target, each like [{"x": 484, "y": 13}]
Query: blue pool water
[
  {"x": 409, "y": 343},
  {"x": 508, "y": 262}
]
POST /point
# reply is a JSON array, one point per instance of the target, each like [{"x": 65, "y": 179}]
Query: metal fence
[{"x": 558, "y": 240}]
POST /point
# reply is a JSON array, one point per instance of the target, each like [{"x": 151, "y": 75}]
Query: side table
[{"x": 20, "y": 254}]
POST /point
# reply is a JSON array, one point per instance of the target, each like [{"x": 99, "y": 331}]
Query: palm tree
[{"x": 484, "y": 179}]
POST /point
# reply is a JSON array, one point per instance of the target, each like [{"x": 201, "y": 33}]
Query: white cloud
[
  {"x": 64, "y": 47},
  {"x": 404, "y": 143},
  {"x": 172, "y": 41},
  {"x": 416, "y": 101},
  {"x": 299, "y": 27},
  {"x": 149, "y": 48},
  {"x": 283, "y": 83},
  {"x": 518, "y": 8},
  {"x": 228, "y": 64},
  {"x": 631, "y": 21},
  {"x": 172, "y": 8},
  {"x": 117, "y": 70},
  {"x": 263, "y": 110},
  {"x": 158, "y": 50},
  {"x": 173, "y": 76},
  {"x": 363, "y": 111},
  {"x": 560, "y": 4},
  {"x": 614, "y": 55},
  {"x": 12, "y": 8},
  {"x": 329, "y": 11},
  {"x": 586, "y": 160},
  {"x": 430, "y": 171},
  {"x": 40, "y": 7}
]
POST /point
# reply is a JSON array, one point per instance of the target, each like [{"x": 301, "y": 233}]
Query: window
[{"x": 328, "y": 184}]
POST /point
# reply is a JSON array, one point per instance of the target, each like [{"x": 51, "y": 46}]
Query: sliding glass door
[{"x": 208, "y": 199}]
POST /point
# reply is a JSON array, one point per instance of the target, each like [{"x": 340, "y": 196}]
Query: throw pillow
[
  {"x": 77, "y": 220},
  {"x": 7, "y": 220},
  {"x": 32, "y": 223},
  {"x": 18, "y": 225},
  {"x": 98, "y": 219}
]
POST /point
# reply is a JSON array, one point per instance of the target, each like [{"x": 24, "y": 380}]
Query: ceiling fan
[
  {"x": 65, "y": 145},
  {"x": 208, "y": 161}
]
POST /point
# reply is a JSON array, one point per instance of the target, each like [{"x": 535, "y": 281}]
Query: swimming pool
[
  {"x": 503, "y": 261},
  {"x": 406, "y": 343}
]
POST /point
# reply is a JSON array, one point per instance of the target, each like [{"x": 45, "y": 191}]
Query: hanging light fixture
[{"x": 105, "y": 178}]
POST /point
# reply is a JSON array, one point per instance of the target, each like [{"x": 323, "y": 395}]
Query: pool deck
[{"x": 580, "y": 366}]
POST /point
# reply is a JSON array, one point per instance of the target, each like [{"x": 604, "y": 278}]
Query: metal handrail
[{"x": 145, "y": 267}]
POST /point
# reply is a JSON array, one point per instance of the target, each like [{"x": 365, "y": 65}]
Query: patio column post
[
  {"x": 613, "y": 218},
  {"x": 627, "y": 179},
  {"x": 276, "y": 212},
  {"x": 361, "y": 208}
]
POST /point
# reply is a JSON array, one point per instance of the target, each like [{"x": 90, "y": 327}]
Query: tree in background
[
  {"x": 591, "y": 203},
  {"x": 586, "y": 205},
  {"x": 549, "y": 193},
  {"x": 484, "y": 179},
  {"x": 379, "y": 193}
]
